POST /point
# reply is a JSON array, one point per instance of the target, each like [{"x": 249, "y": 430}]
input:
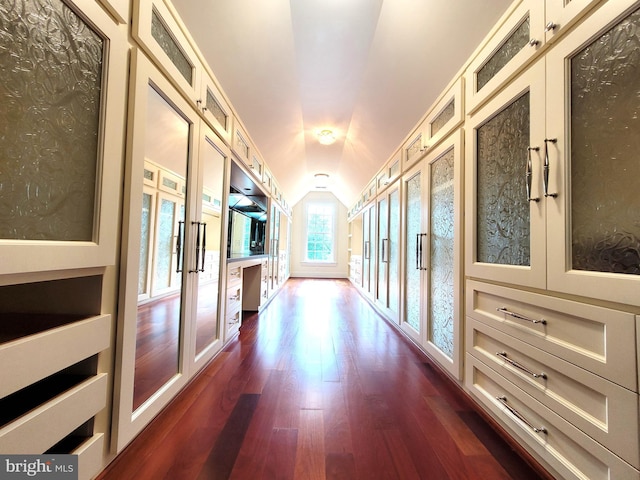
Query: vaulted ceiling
[{"x": 366, "y": 69}]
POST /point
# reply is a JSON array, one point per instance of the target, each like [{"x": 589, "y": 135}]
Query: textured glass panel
[
  {"x": 444, "y": 116},
  {"x": 605, "y": 144},
  {"x": 414, "y": 227},
  {"x": 164, "y": 244},
  {"x": 441, "y": 296},
  {"x": 383, "y": 241},
  {"x": 394, "y": 248},
  {"x": 366, "y": 249},
  {"x": 148, "y": 174},
  {"x": 503, "y": 220},
  {"x": 169, "y": 45},
  {"x": 167, "y": 182},
  {"x": 50, "y": 78},
  {"x": 242, "y": 146},
  {"x": 216, "y": 110},
  {"x": 395, "y": 169},
  {"x": 145, "y": 235},
  {"x": 509, "y": 49}
]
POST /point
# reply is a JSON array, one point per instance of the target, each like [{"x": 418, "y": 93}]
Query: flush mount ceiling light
[
  {"x": 322, "y": 180},
  {"x": 326, "y": 137}
]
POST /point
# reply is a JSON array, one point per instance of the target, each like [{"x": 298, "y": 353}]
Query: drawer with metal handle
[{"x": 603, "y": 410}]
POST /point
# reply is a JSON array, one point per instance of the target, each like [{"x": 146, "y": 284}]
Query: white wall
[{"x": 298, "y": 267}]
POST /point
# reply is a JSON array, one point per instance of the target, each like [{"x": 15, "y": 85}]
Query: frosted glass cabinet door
[
  {"x": 415, "y": 231},
  {"x": 64, "y": 74},
  {"x": 594, "y": 224},
  {"x": 505, "y": 203},
  {"x": 382, "y": 294},
  {"x": 444, "y": 312}
]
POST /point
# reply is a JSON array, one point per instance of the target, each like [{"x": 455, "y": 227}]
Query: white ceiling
[{"x": 366, "y": 69}]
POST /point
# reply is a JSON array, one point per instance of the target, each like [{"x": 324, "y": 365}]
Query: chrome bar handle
[
  {"x": 418, "y": 252},
  {"x": 367, "y": 253},
  {"x": 529, "y": 174},
  {"x": 520, "y": 317},
  {"x": 204, "y": 244},
  {"x": 503, "y": 400},
  {"x": 546, "y": 168},
  {"x": 179, "y": 246},
  {"x": 385, "y": 250},
  {"x": 424, "y": 235},
  {"x": 197, "y": 247},
  {"x": 515, "y": 364}
]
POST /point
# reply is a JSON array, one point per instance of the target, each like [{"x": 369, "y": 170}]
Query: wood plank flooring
[{"x": 317, "y": 386}]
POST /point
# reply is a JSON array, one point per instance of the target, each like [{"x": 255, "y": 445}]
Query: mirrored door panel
[
  {"x": 158, "y": 315},
  {"x": 208, "y": 227}
]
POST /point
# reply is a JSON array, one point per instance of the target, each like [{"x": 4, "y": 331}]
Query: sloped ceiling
[{"x": 366, "y": 69}]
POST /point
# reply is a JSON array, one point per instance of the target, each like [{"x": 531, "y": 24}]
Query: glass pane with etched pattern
[
  {"x": 441, "y": 284},
  {"x": 443, "y": 117},
  {"x": 145, "y": 244},
  {"x": 394, "y": 249},
  {"x": 605, "y": 141},
  {"x": 169, "y": 46},
  {"x": 503, "y": 217},
  {"x": 51, "y": 80},
  {"x": 509, "y": 49},
  {"x": 216, "y": 110},
  {"x": 413, "y": 283}
]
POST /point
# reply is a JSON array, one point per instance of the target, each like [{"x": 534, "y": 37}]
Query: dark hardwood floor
[{"x": 317, "y": 386}]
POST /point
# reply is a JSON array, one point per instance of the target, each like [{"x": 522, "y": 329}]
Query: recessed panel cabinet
[
  {"x": 61, "y": 139},
  {"x": 553, "y": 171},
  {"x": 433, "y": 245}
]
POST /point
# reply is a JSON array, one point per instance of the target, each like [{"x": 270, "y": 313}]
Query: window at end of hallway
[{"x": 320, "y": 233}]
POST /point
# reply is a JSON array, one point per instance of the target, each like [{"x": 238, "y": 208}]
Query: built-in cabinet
[
  {"x": 60, "y": 182},
  {"x": 552, "y": 243}
]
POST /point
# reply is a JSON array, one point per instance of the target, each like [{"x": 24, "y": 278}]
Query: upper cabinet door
[
  {"x": 593, "y": 84},
  {"x": 446, "y": 115},
  {"x": 517, "y": 39},
  {"x": 505, "y": 222},
  {"x": 216, "y": 110},
  {"x": 161, "y": 36},
  {"x": 61, "y": 139},
  {"x": 561, "y": 14}
]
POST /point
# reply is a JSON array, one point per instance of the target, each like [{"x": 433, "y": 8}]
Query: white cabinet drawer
[
  {"x": 90, "y": 456},
  {"x": 234, "y": 298},
  {"x": 601, "y": 340},
  {"x": 605, "y": 411},
  {"x": 563, "y": 449},
  {"x": 42, "y": 427},
  {"x": 30, "y": 358},
  {"x": 234, "y": 275}
]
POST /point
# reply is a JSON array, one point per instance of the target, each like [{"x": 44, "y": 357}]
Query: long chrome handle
[
  {"x": 367, "y": 253},
  {"x": 546, "y": 168},
  {"x": 418, "y": 259},
  {"x": 422, "y": 237},
  {"x": 204, "y": 244},
  {"x": 515, "y": 364},
  {"x": 520, "y": 317},
  {"x": 179, "y": 246},
  {"x": 385, "y": 250},
  {"x": 195, "y": 270},
  {"x": 529, "y": 174},
  {"x": 503, "y": 400}
]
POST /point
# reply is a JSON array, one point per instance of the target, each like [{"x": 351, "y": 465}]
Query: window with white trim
[{"x": 320, "y": 240}]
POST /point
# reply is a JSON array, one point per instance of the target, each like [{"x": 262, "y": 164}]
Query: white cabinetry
[{"x": 552, "y": 179}]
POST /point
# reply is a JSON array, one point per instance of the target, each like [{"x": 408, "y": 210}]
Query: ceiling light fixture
[
  {"x": 326, "y": 137},
  {"x": 322, "y": 180}
]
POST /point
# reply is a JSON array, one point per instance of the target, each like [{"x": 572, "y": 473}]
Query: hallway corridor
[{"x": 319, "y": 386}]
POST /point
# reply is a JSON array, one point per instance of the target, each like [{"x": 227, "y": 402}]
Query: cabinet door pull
[
  {"x": 529, "y": 174},
  {"x": 204, "y": 244},
  {"x": 385, "y": 250},
  {"x": 520, "y": 317},
  {"x": 534, "y": 43},
  {"x": 418, "y": 250},
  {"x": 515, "y": 364},
  {"x": 179, "y": 246},
  {"x": 550, "y": 27},
  {"x": 195, "y": 270},
  {"x": 503, "y": 400},
  {"x": 546, "y": 168}
]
